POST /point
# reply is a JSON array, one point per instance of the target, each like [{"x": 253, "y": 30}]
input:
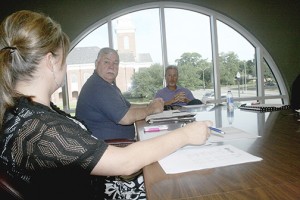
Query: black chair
[
  {"x": 9, "y": 189},
  {"x": 195, "y": 102},
  {"x": 295, "y": 94}
]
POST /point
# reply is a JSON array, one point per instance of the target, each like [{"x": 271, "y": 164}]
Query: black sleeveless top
[{"x": 48, "y": 152}]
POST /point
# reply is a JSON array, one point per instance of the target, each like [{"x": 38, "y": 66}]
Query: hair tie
[{"x": 12, "y": 49}]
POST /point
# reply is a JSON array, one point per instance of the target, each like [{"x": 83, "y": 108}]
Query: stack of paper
[
  {"x": 190, "y": 159},
  {"x": 171, "y": 115}
]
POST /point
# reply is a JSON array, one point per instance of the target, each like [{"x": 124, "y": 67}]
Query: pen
[{"x": 217, "y": 130}]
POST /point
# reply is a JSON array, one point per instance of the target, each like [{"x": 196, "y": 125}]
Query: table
[{"x": 277, "y": 176}]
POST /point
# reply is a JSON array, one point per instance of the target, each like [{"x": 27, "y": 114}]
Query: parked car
[
  {"x": 270, "y": 84},
  {"x": 210, "y": 96}
]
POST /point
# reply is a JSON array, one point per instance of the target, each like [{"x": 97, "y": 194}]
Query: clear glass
[
  {"x": 273, "y": 101},
  {"x": 270, "y": 83},
  {"x": 237, "y": 62},
  {"x": 98, "y": 38},
  {"x": 81, "y": 64},
  {"x": 137, "y": 39},
  {"x": 189, "y": 47},
  {"x": 137, "y": 36},
  {"x": 57, "y": 99}
]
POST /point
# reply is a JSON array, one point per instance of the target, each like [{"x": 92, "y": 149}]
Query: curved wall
[{"x": 276, "y": 23}]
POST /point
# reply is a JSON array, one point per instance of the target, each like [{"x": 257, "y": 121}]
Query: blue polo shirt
[
  {"x": 101, "y": 106},
  {"x": 166, "y": 94}
]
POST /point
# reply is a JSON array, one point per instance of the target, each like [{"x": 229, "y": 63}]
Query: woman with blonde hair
[{"x": 49, "y": 153}]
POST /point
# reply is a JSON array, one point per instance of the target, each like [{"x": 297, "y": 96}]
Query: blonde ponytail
[{"x": 25, "y": 37}]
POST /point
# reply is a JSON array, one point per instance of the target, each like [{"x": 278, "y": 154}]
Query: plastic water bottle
[
  {"x": 230, "y": 116},
  {"x": 229, "y": 99},
  {"x": 230, "y": 107}
]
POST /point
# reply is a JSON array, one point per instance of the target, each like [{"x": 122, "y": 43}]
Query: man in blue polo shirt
[
  {"x": 172, "y": 94},
  {"x": 102, "y": 106}
]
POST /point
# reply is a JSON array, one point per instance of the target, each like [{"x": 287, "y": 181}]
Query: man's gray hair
[
  {"x": 106, "y": 50},
  {"x": 171, "y": 67}
]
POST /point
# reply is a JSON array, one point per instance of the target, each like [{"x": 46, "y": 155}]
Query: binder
[
  {"x": 264, "y": 107},
  {"x": 171, "y": 115}
]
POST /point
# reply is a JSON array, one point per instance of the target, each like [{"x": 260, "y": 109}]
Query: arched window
[{"x": 213, "y": 53}]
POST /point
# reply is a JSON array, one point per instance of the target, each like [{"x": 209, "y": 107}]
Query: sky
[{"x": 186, "y": 31}]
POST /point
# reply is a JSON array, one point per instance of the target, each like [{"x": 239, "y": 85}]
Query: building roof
[
  {"x": 83, "y": 55},
  {"x": 129, "y": 57},
  {"x": 126, "y": 57},
  {"x": 144, "y": 57},
  {"x": 86, "y": 55}
]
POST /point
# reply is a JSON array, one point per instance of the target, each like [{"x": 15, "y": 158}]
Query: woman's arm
[{"x": 125, "y": 161}]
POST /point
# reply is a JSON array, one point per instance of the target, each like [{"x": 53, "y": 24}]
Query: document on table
[{"x": 190, "y": 159}]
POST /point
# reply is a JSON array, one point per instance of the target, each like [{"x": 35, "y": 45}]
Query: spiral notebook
[{"x": 264, "y": 107}]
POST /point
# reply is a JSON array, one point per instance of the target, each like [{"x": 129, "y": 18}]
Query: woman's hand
[{"x": 197, "y": 132}]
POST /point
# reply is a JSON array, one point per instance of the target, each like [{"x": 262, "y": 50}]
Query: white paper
[
  {"x": 190, "y": 159},
  {"x": 231, "y": 133}
]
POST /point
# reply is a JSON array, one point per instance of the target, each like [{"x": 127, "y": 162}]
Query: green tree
[
  {"x": 229, "y": 66},
  {"x": 251, "y": 67},
  {"x": 147, "y": 81},
  {"x": 193, "y": 59},
  {"x": 191, "y": 68},
  {"x": 267, "y": 72},
  {"x": 188, "y": 77}
]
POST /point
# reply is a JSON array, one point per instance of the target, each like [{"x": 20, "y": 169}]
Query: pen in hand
[{"x": 217, "y": 131}]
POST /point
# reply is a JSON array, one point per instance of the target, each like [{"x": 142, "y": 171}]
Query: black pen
[{"x": 217, "y": 130}]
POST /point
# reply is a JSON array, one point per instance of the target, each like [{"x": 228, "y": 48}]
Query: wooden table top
[{"x": 277, "y": 176}]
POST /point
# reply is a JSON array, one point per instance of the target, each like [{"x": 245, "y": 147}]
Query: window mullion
[
  {"x": 260, "y": 75},
  {"x": 65, "y": 95},
  {"x": 215, "y": 58},
  {"x": 110, "y": 33},
  {"x": 163, "y": 39}
]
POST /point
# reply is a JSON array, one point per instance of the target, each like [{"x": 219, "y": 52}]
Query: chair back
[
  {"x": 295, "y": 94},
  {"x": 8, "y": 188}
]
